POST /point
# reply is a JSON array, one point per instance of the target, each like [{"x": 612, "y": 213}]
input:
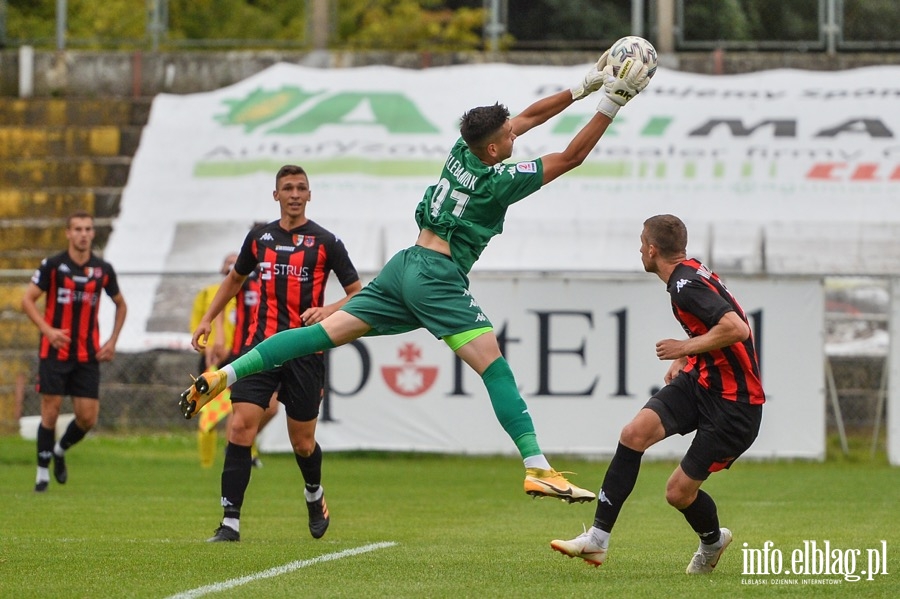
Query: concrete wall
[{"x": 142, "y": 74}]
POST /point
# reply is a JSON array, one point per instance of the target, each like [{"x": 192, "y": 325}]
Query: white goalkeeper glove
[
  {"x": 593, "y": 80},
  {"x": 619, "y": 89}
]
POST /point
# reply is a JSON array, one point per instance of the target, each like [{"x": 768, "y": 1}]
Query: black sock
[
  {"x": 617, "y": 486},
  {"x": 703, "y": 518},
  {"x": 235, "y": 478},
  {"x": 46, "y": 439},
  {"x": 73, "y": 435},
  {"x": 311, "y": 468}
]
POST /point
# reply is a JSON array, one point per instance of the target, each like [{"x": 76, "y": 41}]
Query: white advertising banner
[
  {"x": 783, "y": 171},
  {"x": 583, "y": 353}
]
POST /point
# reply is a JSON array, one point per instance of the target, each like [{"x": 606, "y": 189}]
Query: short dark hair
[
  {"x": 479, "y": 124},
  {"x": 287, "y": 170},
  {"x": 78, "y": 214},
  {"x": 668, "y": 234}
]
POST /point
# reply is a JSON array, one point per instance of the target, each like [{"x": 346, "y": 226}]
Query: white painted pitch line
[{"x": 278, "y": 571}]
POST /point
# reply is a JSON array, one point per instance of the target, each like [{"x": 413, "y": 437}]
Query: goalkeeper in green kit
[{"x": 427, "y": 285}]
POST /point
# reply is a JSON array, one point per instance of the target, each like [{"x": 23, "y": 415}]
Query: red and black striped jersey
[
  {"x": 246, "y": 303},
  {"x": 699, "y": 301},
  {"x": 73, "y": 302},
  {"x": 293, "y": 270}
]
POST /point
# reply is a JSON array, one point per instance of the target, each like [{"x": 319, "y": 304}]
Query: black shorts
[
  {"x": 725, "y": 429},
  {"x": 75, "y": 379},
  {"x": 300, "y": 384}
]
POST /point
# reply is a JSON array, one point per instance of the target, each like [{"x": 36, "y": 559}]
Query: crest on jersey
[
  {"x": 304, "y": 240},
  {"x": 93, "y": 272},
  {"x": 526, "y": 167}
]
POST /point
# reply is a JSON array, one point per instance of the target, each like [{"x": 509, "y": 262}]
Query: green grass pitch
[{"x": 134, "y": 515}]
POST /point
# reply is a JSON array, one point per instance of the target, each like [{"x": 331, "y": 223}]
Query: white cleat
[
  {"x": 581, "y": 546},
  {"x": 705, "y": 560}
]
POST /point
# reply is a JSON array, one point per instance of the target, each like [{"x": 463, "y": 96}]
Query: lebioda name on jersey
[{"x": 462, "y": 176}]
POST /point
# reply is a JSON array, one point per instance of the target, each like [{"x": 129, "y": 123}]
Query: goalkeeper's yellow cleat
[
  {"x": 550, "y": 483},
  {"x": 206, "y": 387}
]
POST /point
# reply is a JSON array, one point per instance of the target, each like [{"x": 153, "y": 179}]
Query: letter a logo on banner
[{"x": 409, "y": 380}]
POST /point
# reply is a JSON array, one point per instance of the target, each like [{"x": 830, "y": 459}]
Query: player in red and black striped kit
[
  {"x": 294, "y": 257},
  {"x": 246, "y": 305},
  {"x": 247, "y": 302},
  {"x": 712, "y": 387},
  {"x": 70, "y": 350}
]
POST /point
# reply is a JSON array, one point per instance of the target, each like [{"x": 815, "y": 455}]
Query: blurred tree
[
  {"x": 562, "y": 24},
  {"x": 438, "y": 25},
  {"x": 709, "y": 20},
  {"x": 102, "y": 23},
  {"x": 407, "y": 25},
  {"x": 570, "y": 24},
  {"x": 29, "y": 20},
  {"x": 872, "y": 20},
  {"x": 271, "y": 20},
  {"x": 89, "y": 24},
  {"x": 783, "y": 21},
  {"x": 748, "y": 20}
]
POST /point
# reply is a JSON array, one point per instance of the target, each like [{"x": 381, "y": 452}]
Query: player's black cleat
[
  {"x": 60, "y": 472},
  {"x": 224, "y": 533},
  {"x": 41, "y": 487},
  {"x": 318, "y": 517}
]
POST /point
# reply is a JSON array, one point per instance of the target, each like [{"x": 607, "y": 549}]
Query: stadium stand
[{"x": 56, "y": 156}]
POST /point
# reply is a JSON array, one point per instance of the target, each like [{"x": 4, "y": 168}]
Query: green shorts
[{"x": 418, "y": 288}]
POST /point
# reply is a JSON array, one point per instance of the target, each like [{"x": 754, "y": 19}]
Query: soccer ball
[{"x": 633, "y": 46}]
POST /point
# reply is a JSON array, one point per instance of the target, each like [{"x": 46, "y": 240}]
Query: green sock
[
  {"x": 510, "y": 408},
  {"x": 281, "y": 347},
  {"x": 249, "y": 363}
]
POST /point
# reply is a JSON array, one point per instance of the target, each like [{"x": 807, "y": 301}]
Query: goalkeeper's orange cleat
[
  {"x": 206, "y": 387},
  {"x": 550, "y": 483}
]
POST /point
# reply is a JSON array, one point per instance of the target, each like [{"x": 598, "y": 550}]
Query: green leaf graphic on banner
[
  {"x": 261, "y": 106},
  {"x": 395, "y": 112}
]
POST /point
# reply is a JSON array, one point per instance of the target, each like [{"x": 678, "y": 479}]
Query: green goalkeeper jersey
[{"x": 466, "y": 207}]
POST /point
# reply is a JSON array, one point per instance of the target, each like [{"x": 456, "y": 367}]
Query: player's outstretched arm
[
  {"x": 546, "y": 108},
  {"x": 618, "y": 89},
  {"x": 592, "y": 81},
  {"x": 540, "y": 112}
]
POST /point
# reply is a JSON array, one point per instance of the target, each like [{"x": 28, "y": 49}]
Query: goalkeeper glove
[
  {"x": 619, "y": 89},
  {"x": 593, "y": 79}
]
